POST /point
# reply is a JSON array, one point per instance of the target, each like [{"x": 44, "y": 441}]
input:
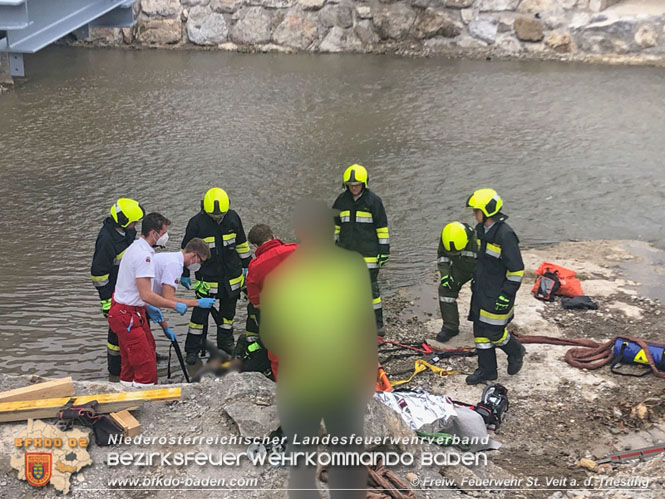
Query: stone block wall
[{"x": 558, "y": 29}]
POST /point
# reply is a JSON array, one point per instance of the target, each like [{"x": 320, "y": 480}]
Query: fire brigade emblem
[{"x": 38, "y": 468}]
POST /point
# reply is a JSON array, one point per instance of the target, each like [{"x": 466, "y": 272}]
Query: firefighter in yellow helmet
[
  {"x": 497, "y": 278},
  {"x": 362, "y": 226},
  {"x": 115, "y": 236},
  {"x": 458, "y": 247},
  {"x": 220, "y": 276}
]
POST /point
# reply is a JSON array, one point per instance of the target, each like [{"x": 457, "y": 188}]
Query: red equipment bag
[{"x": 569, "y": 284}]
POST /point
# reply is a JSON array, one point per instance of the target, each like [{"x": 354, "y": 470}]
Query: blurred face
[
  {"x": 355, "y": 188},
  {"x": 131, "y": 225},
  {"x": 479, "y": 216},
  {"x": 193, "y": 258},
  {"x": 155, "y": 235}
]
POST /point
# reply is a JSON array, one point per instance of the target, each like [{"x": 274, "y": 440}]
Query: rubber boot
[
  {"x": 225, "y": 340},
  {"x": 191, "y": 358},
  {"x": 515, "y": 351},
  {"x": 446, "y": 334},
  {"x": 486, "y": 367}
]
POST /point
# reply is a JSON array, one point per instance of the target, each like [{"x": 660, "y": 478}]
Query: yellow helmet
[
  {"x": 355, "y": 173},
  {"x": 485, "y": 200},
  {"x": 126, "y": 211},
  {"x": 215, "y": 202},
  {"x": 455, "y": 236}
]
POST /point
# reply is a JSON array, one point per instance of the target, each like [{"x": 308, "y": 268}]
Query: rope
[
  {"x": 588, "y": 354},
  {"x": 420, "y": 366}
]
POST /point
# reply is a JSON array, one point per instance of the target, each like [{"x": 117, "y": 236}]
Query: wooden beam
[
  {"x": 129, "y": 424},
  {"x": 108, "y": 402},
  {"x": 62, "y": 387}
]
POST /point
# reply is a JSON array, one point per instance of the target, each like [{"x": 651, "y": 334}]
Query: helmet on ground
[
  {"x": 125, "y": 211},
  {"x": 455, "y": 236},
  {"x": 215, "y": 202},
  {"x": 485, "y": 200},
  {"x": 355, "y": 174}
]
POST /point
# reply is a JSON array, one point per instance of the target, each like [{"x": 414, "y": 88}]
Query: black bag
[
  {"x": 548, "y": 285},
  {"x": 578, "y": 302},
  {"x": 102, "y": 425}
]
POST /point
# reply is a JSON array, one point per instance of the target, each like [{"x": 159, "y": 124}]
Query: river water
[{"x": 576, "y": 151}]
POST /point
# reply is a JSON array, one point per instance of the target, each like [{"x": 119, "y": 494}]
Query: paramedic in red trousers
[
  {"x": 133, "y": 294},
  {"x": 362, "y": 226},
  {"x": 269, "y": 253},
  {"x": 498, "y": 276},
  {"x": 115, "y": 236},
  {"x": 222, "y": 275}
]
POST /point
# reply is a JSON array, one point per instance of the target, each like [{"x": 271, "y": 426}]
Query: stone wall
[
  {"x": 5, "y": 76},
  {"x": 543, "y": 29}
]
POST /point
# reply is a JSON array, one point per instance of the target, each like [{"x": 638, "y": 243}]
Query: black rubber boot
[
  {"x": 515, "y": 351},
  {"x": 381, "y": 331},
  {"x": 446, "y": 335},
  {"x": 486, "y": 367},
  {"x": 191, "y": 358},
  {"x": 225, "y": 340}
]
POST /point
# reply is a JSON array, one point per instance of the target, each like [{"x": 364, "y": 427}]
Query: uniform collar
[
  {"x": 267, "y": 246},
  {"x": 145, "y": 244}
]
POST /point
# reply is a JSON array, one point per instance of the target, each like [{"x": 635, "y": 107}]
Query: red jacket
[{"x": 267, "y": 256}]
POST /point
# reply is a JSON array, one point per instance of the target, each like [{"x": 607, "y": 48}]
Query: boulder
[
  {"x": 459, "y": 4},
  {"x": 364, "y": 12},
  {"x": 560, "y": 42},
  {"x": 192, "y": 3},
  {"x": 340, "y": 40},
  {"x": 253, "y": 420},
  {"x": 365, "y": 32},
  {"x": 254, "y": 26},
  {"x": 384, "y": 423},
  {"x": 106, "y": 36},
  {"x": 540, "y": 6},
  {"x": 159, "y": 31},
  {"x": 529, "y": 29},
  {"x": 497, "y": 5},
  {"x": 160, "y": 8},
  {"x": 272, "y": 4},
  {"x": 508, "y": 44},
  {"x": 226, "y": 6},
  {"x": 311, "y": 4},
  {"x": 336, "y": 15},
  {"x": 598, "y": 5},
  {"x": 297, "y": 31},
  {"x": 612, "y": 26},
  {"x": 205, "y": 27},
  {"x": 251, "y": 387},
  {"x": 468, "y": 15},
  {"x": 433, "y": 23},
  {"x": 646, "y": 36},
  {"x": 393, "y": 21},
  {"x": 484, "y": 29}
]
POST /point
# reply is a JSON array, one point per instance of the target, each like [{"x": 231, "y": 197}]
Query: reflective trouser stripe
[
  {"x": 376, "y": 303},
  {"x": 226, "y": 323},
  {"x": 236, "y": 282},
  {"x": 100, "y": 280},
  {"x": 443, "y": 259},
  {"x": 372, "y": 262},
  {"x": 213, "y": 287},
  {"x": 483, "y": 343},
  {"x": 112, "y": 349},
  {"x": 505, "y": 338},
  {"x": 515, "y": 276},
  {"x": 495, "y": 319},
  {"x": 471, "y": 254},
  {"x": 447, "y": 299},
  {"x": 196, "y": 329}
]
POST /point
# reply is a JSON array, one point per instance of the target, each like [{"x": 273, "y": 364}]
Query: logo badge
[{"x": 38, "y": 468}]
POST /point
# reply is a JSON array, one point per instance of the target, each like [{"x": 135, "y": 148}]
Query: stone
[
  {"x": 554, "y": 22},
  {"x": 364, "y": 12},
  {"x": 508, "y": 44},
  {"x": 336, "y": 15},
  {"x": 484, "y": 29},
  {"x": 192, "y": 3},
  {"x": 534, "y": 6},
  {"x": 226, "y": 6},
  {"x": 205, "y": 27},
  {"x": 588, "y": 464},
  {"x": 421, "y": 4},
  {"x": 311, "y": 4},
  {"x": 393, "y": 21},
  {"x": 365, "y": 32},
  {"x": 160, "y": 8},
  {"x": 505, "y": 24},
  {"x": 253, "y": 420},
  {"x": 105, "y": 36},
  {"x": 159, "y": 31},
  {"x": 646, "y": 36},
  {"x": 468, "y": 15},
  {"x": 296, "y": 31},
  {"x": 127, "y": 35},
  {"x": 254, "y": 26},
  {"x": 598, "y": 5},
  {"x": 272, "y": 4},
  {"x": 433, "y": 23},
  {"x": 529, "y": 29},
  {"x": 560, "y": 42},
  {"x": 340, "y": 40},
  {"x": 381, "y": 422},
  {"x": 497, "y": 5},
  {"x": 459, "y": 4},
  {"x": 579, "y": 20},
  {"x": 612, "y": 26},
  {"x": 570, "y": 4},
  {"x": 251, "y": 387}
]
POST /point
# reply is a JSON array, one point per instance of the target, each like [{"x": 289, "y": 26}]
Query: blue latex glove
[
  {"x": 168, "y": 332},
  {"x": 154, "y": 313},
  {"x": 206, "y": 302},
  {"x": 180, "y": 307},
  {"x": 244, "y": 271},
  {"x": 186, "y": 282}
]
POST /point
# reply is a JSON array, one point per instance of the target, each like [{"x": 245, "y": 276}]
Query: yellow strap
[
  {"x": 420, "y": 366},
  {"x": 99, "y": 278}
]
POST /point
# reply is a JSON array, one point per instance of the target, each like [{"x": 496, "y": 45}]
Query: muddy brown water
[{"x": 576, "y": 152}]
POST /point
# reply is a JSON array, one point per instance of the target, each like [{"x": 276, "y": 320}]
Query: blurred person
[
  {"x": 362, "y": 226},
  {"x": 222, "y": 275},
  {"x": 317, "y": 318},
  {"x": 115, "y": 236}
]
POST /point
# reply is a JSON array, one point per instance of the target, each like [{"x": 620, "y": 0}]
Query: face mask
[
  {"x": 163, "y": 240},
  {"x": 194, "y": 267}
]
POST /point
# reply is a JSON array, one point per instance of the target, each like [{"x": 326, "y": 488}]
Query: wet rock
[
  {"x": 340, "y": 40},
  {"x": 297, "y": 31},
  {"x": 393, "y": 21},
  {"x": 226, "y": 6},
  {"x": 160, "y": 8},
  {"x": 459, "y": 4},
  {"x": 205, "y": 27},
  {"x": 646, "y": 36},
  {"x": 484, "y": 29},
  {"x": 159, "y": 31},
  {"x": 497, "y": 5},
  {"x": 365, "y": 32},
  {"x": 311, "y": 4},
  {"x": 560, "y": 42},
  {"x": 253, "y": 26},
  {"x": 529, "y": 29},
  {"x": 435, "y": 23},
  {"x": 106, "y": 36},
  {"x": 253, "y": 420}
]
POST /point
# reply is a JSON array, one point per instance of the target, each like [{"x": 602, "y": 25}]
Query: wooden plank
[
  {"x": 128, "y": 422},
  {"x": 108, "y": 402},
  {"x": 62, "y": 387}
]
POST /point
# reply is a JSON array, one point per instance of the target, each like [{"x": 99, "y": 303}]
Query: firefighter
[
  {"x": 497, "y": 278},
  {"x": 115, "y": 236},
  {"x": 362, "y": 226},
  {"x": 458, "y": 246},
  {"x": 222, "y": 275}
]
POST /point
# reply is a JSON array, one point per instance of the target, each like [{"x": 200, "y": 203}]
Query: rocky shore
[
  {"x": 609, "y": 31},
  {"x": 558, "y": 414}
]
